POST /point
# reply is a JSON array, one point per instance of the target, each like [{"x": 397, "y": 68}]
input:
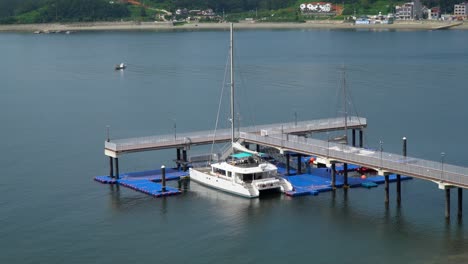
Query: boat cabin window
[
  {"x": 229, "y": 174},
  {"x": 258, "y": 176},
  {"x": 219, "y": 171},
  {"x": 247, "y": 177}
]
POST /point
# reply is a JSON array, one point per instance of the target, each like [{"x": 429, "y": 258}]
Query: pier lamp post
[
  {"x": 107, "y": 133},
  {"x": 175, "y": 128},
  {"x": 328, "y": 144},
  {"x": 239, "y": 119},
  {"x": 381, "y": 150},
  {"x": 442, "y": 156},
  {"x": 282, "y": 133},
  {"x": 295, "y": 118}
]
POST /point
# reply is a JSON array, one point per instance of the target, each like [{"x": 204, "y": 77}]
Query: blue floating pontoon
[
  {"x": 369, "y": 184},
  {"x": 155, "y": 175},
  {"x": 319, "y": 180},
  {"x": 392, "y": 178},
  {"x": 146, "y": 181},
  {"x": 149, "y": 187},
  {"x": 105, "y": 179}
]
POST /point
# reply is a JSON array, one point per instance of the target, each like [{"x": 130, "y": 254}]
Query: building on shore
[
  {"x": 461, "y": 10},
  {"x": 320, "y": 9},
  {"x": 409, "y": 11},
  {"x": 434, "y": 13},
  {"x": 405, "y": 11}
]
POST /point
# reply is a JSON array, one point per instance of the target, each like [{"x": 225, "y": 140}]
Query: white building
[
  {"x": 405, "y": 11},
  {"x": 461, "y": 9},
  {"x": 317, "y": 8}
]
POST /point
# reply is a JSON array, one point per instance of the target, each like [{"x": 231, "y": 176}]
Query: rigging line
[
  {"x": 219, "y": 105},
  {"x": 243, "y": 91},
  {"x": 354, "y": 108},
  {"x": 337, "y": 105},
  {"x": 336, "y": 99},
  {"x": 245, "y": 95}
]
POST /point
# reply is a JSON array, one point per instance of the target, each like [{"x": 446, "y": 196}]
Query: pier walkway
[
  {"x": 290, "y": 138},
  {"x": 287, "y": 137},
  {"x": 114, "y": 148},
  {"x": 445, "y": 175}
]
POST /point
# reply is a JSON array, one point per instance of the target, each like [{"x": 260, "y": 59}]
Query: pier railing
[
  {"x": 222, "y": 135},
  {"x": 388, "y": 162}
]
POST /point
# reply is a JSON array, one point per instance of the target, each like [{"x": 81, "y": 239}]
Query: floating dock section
[
  {"x": 149, "y": 187},
  {"x": 147, "y": 182},
  {"x": 155, "y": 175},
  {"x": 319, "y": 180}
]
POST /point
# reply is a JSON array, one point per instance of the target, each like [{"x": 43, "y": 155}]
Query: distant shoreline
[{"x": 165, "y": 26}]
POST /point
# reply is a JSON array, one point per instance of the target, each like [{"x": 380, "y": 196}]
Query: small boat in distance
[{"x": 120, "y": 66}]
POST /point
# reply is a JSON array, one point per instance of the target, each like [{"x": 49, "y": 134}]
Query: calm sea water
[{"x": 58, "y": 93}]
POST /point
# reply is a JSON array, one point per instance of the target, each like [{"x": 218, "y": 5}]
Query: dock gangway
[
  {"x": 442, "y": 173},
  {"x": 114, "y": 148}
]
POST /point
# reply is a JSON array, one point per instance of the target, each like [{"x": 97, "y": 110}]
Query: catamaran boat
[{"x": 243, "y": 172}]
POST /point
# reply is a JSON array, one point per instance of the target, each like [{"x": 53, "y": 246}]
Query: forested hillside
[{"x": 41, "y": 11}]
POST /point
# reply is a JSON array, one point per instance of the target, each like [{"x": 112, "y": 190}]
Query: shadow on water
[
  {"x": 122, "y": 202},
  {"x": 270, "y": 194}
]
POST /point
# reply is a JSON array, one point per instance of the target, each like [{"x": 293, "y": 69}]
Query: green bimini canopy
[{"x": 241, "y": 155}]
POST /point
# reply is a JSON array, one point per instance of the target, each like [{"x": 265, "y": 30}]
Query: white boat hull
[
  {"x": 248, "y": 190},
  {"x": 221, "y": 184}
]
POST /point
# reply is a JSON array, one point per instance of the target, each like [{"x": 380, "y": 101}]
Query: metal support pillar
[
  {"x": 299, "y": 163},
  {"x": 184, "y": 158},
  {"x": 387, "y": 188},
  {"x": 345, "y": 175},
  {"x": 178, "y": 159},
  {"x": 354, "y": 137},
  {"x": 287, "y": 164},
  {"x": 361, "y": 143},
  {"x": 460, "y": 202},
  {"x": 447, "y": 203},
  {"x": 257, "y": 146},
  {"x": 398, "y": 183},
  {"x": 111, "y": 168},
  {"x": 163, "y": 178},
  {"x": 117, "y": 168},
  {"x": 333, "y": 174},
  {"x": 398, "y": 189}
]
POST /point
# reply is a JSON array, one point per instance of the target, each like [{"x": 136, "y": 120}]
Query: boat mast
[
  {"x": 232, "y": 85},
  {"x": 345, "y": 106}
]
